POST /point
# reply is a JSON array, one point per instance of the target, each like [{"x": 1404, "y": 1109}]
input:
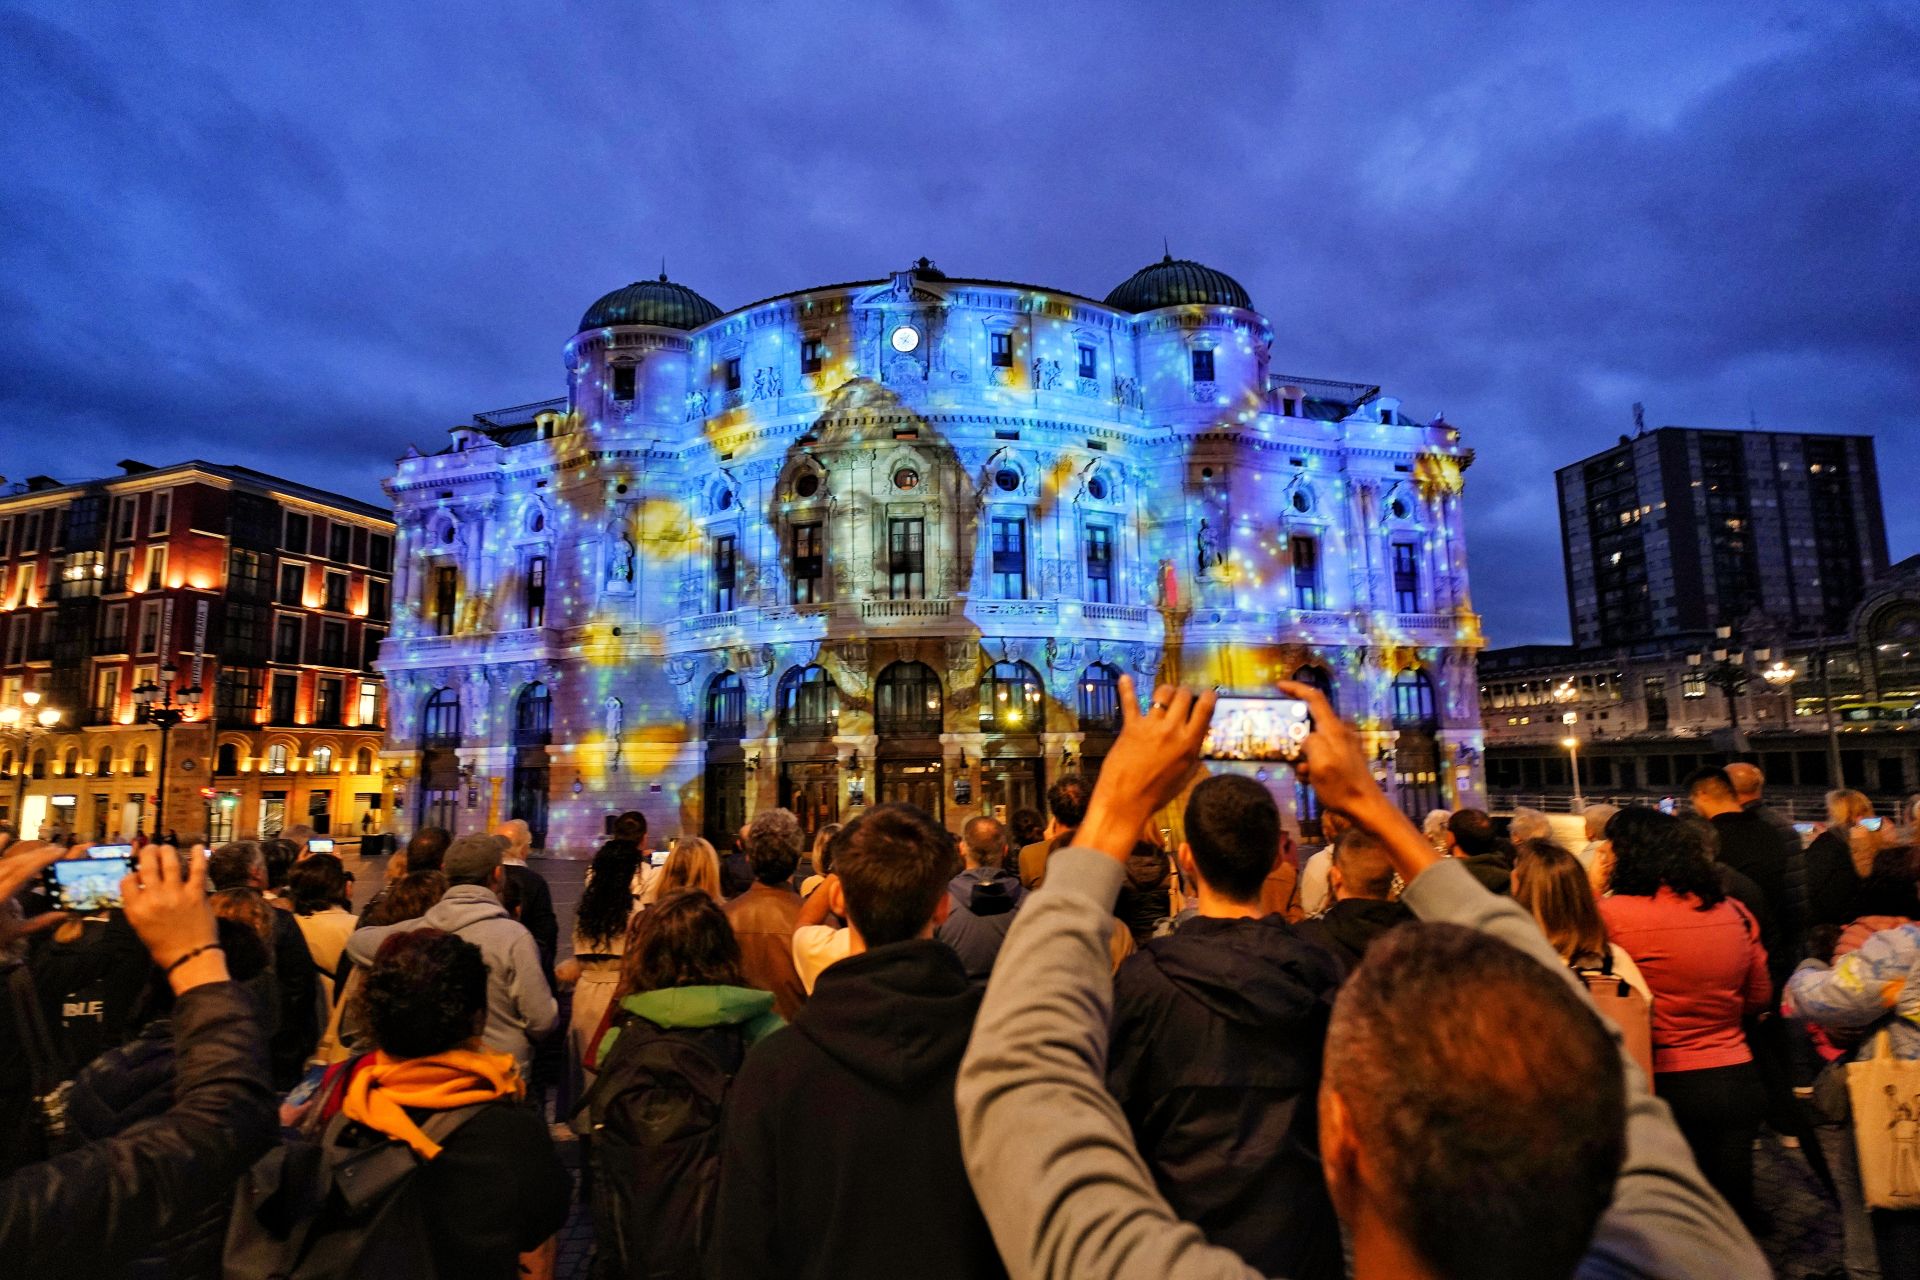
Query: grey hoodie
[{"x": 520, "y": 1004}]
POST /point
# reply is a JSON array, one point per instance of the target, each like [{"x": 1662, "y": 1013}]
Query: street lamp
[
  {"x": 1572, "y": 744},
  {"x": 164, "y": 705},
  {"x": 23, "y": 723}
]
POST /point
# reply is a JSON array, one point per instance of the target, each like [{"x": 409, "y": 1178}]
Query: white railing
[{"x": 871, "y": 609}]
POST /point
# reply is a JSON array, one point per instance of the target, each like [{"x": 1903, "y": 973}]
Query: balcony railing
[
  {"x": 870, "y": 609},
  {"x": 1116, "y": 613}
]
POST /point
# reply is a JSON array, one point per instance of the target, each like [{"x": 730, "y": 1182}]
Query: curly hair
[
  {"x": 773, "y": 845},
  {"x": 1654, "y": 850},
  {"x": 409, "y": 897},
  {"x": 606, "y": 904},
  {"x": 683, "y": 940},
  {"x": 426, "y": 993}
]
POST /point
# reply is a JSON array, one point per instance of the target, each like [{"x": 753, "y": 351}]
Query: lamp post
[
  {"x": 164, "y": 705},
  {"x": 1572, "y": 744},
  {"x": 25, "y": 722}
]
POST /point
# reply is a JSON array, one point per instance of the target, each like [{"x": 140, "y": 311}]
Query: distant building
[
  {"x": 271, "y": 596},
  {"x": 1679, "y": 531},
  {"x": 898, "y": 539}
]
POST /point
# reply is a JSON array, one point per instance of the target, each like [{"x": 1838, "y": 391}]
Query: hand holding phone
[{"x": 91, "y": 883}]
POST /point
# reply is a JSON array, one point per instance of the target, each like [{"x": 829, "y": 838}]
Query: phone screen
[
  {"x": 660, "y": 857},
  {"x": 88, "y": 884},
  {"x": 1804, "y": 829},
  {"x": 1257, "y": 729},
  {"x": 1871, "y": 824},
  {"x": 320, "y": 844},
  {"x": 1666, "y": 805}
]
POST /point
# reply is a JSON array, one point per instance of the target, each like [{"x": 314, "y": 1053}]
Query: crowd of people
[{"x": 1068, "y": 1044}]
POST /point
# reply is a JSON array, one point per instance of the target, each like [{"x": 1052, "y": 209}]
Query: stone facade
[{"x": 895, "y": 540}]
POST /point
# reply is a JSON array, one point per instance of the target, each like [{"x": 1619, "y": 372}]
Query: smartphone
[
  {"x": 660, "y": 857},
  {"x": 320, "y": 844},
  {"x": 1871, "y": 824},
  {"x": 1666, "y": 805},
  {"x": 1805, "y": 829},
  {"x": 91, "y": 883},
  {"x": 1257, "y": 729}
]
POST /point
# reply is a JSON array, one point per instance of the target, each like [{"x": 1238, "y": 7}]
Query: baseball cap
[{"x": 474, "y": 857}]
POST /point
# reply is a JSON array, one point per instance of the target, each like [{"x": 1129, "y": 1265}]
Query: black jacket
[
  {"x": 90, "y": 1212},
  {"x": 530, "y": 901},
  {"x": 1753, "y": 846},
  {"x": 842, "y": 1155},
  {"x": 91, "y": 987},
  {"x": 1350, "y": 926},
  {"x": 296, "y": 1024},
  {"x": 1217, "y": 1035},
  {"x": 1831, "y": 881}
]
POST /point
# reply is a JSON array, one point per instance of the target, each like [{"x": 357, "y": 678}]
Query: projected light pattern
[{"x": 894, "y": 540}]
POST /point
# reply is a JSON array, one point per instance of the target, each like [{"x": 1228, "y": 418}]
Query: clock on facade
[{"x": 906, "y": 338}]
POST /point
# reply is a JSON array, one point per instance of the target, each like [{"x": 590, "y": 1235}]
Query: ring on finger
[{"x": 1157, "y": 705}]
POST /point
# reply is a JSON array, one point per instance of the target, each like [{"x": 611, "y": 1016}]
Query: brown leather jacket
[
  {"x": 763, "y": 919},
  {"x": 1033, "y": 858}
]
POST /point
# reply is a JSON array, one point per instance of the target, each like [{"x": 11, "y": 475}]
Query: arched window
[
  {"x": 907, "y": 700},
  {"x": 1011, "y": 700},
  {"x": 322, "y": 760},
  {"x": 1413, "y": 700},
  {"x": 1100, "y": 698},
  {"x": 227, "y": 759},
  {"x": 726, "y": 716},
  {"x": 6, "y": 764},
  {"x": 809, "y": 702},
  {"x": 73, "y": 762},
  {"x": 139, "y": 762},
  {"x": 277, "y": 758},
  {"x": 440, "y": 720},
  {"x": 363, "y": 760},
  {"x": 1320, "y": 678},
  {"x": 103, "y": 768},
  {"x": 533, "y": 716},
  {"x": 40, "y": 764}
]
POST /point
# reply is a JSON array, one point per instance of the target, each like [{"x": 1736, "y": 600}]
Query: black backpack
[
  {"x": 343, "y": 1206},
  {"x": 656, "y": 1109}
]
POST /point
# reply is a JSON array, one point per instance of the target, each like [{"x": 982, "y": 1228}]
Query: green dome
[
  {"x": 1176, "y": 282},
  {"x": 660, "y": 302}
]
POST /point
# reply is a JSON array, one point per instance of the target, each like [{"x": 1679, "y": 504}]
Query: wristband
[{"x": 210, "y": 946}]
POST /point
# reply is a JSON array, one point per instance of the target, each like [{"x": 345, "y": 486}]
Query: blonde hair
[
  {"x": 1844, "y": 808},
  {"x": 692, "y": 865}
]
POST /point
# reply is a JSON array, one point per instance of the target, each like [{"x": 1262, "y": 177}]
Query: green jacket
[{"x": 670, "y": 1007}]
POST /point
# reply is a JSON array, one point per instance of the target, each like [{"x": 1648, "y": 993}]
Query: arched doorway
[
  {"x": 807, "y": 717},
  {"x": 439, "y": 801},
  {"x": 724, "y": 787},
  {"x": 908, "y": 714},
  {"x": 532, "y": 731},
  {"x": 1013, "y": 712},
  {"x": 1416, "y": 752}
]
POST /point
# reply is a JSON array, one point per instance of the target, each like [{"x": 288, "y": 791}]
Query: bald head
[
  {"x": 518, "y": 835},
  {"x": 1747, "y": 780}
]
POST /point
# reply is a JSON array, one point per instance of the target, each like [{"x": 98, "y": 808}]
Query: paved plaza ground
[{"x": 1801, "y": 1227}]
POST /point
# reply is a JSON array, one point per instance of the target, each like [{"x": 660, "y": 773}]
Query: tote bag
[
  {"x": 1626, "y": 1009},
  {"x": 1885, "y": 1094}
]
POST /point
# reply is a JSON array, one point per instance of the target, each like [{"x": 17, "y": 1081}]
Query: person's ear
[
  {"x": 1335, "y": 881},
  {"x": 1339, "y": 1153},
  {"x": 836, "y": 896},
  {"x": 498, "y": 880},
  {"x": 942, "y": 908},
  {"x": 1184, "y": 858}
]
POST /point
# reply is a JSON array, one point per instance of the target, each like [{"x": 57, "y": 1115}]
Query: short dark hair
[
  {"x": 1029, "y": 826},
  {"x": 683, "y": 940},
  {"x": 1713, "y": 781},
  {"x": 1441, "y": 1027},
  {"x": 425, "y": 991},
  {"x": 772, "y": 845},
  {"x": 1473, "y": 831},
  {"x": 1067, "y": 799},
  {"x": 631, "y": 826},
  {"x": 231, "y": 866},
  {"x": 408, "y": 898},
  {"x": 1652, "y": 850},
  {"x": 427, "y": 851},
  {"x": 319, "y": 882},
  {"x": 1365, "y": 868},
  {"x": 1233, "y": 827},
  {"x": 280, "y": 855},
  {"x": 894, "y": 863}
]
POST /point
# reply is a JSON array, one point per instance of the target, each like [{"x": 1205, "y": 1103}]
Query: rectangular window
[
  {"x": 23, "y": 587},
  {"x": 156, "y": 575},
  {"x": 1306, "y": 572},
  {"x": 327, "y": 702},
  {"x": 1088, "y": 368},
  {"x": 287, "y": 636},
  {"x": 623, "y": 382},
  {"x": 339, "y": 542},
  {"x": 161, "y": 517},
  {"x": 370, "y": 639},
  {"x": 813, "y": 354},
  {"x": 380, "y": 553},
  {"x": 6, "y": 532},
  {"x": 120, "y": 573},
  {"x": 149, "y": 628},
  {"x": 1203, "y": 364},
  {"x": 336, "y": 596},
  {"x": 296, "y": 533},
  {"x": 808, "y": 563},
  {"x": 247, "y": 576},
  {"x": 369, "y": 711},
  {"x": 30, "y": 531},
  {"x": 906, "y": 559},
  {"x": 1406, "y": 578},
  {"x": 359, "y": 545},
  {"x": 113, "y": 632},
  {"x": 733, "y": 374},
  {"x": 106, "y": 695},
  {"x": 286, "y": 695},
  {"x": 293, "y": 584},
  {"x": 17, "y": 642},
  {"x": 378, "y": 602},
  {"x": 446, "y": 591},
  {"x": 535, "y": 612},
  {"x": 1099, "y": 564},
  {"x": 333, "y": 644},
  {"x": 84, "y": 573},
  {"x": 125, "y": 512},
  {"x": 1003, "y": 351},
  {"x": 1009, "y": 559},
  {"x": 723, "y": 563}
]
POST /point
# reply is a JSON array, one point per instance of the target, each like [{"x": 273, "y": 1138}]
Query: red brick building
[{"x": 270, "y": 596}]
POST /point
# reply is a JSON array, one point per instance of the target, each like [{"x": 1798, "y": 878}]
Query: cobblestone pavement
[{"x": 1800, "y": 1228}]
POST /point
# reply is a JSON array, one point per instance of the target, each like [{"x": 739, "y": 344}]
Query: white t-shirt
[
  {"x": 1316, "y": 890},
  {"x": 815, "y": 946}
]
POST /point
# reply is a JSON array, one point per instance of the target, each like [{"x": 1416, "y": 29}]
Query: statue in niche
[
  {"x": 1207, "y": 549},
  {"x": 1046, "y": 373},
  {"x": 620, "y": 564},
  {"x": 613, "y": 715}
]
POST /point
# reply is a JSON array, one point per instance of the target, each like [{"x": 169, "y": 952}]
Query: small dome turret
[
  {"x": 658, "y": 302},
  {"x": 1176, "y": 282}
]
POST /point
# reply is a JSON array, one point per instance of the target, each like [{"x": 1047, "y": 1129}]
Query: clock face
[{"x": 906, "y": 338}]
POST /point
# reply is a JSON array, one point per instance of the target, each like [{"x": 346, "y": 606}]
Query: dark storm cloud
[{"x": 230, "y": 233}]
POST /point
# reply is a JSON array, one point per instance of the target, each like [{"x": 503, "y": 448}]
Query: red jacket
[{"x": 1706, "y": 969}]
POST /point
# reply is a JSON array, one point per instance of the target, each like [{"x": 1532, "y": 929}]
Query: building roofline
[
  {"x": 1718, "y": 431},
  {"x": 226, "y": 471}
]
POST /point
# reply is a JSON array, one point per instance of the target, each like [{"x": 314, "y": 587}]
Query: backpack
[
  {"x": 343, "y": 1206},
  {"x": 654, "y": 1147}
]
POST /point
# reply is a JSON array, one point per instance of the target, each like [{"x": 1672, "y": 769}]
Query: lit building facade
[
  {"x": 897, "y": 540},
  {"x": 269, "y": 596}
]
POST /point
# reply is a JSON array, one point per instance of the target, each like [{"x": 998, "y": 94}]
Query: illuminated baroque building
[
  {"x": 898, "y": 539},
  {"x": 269, "y": 596}
]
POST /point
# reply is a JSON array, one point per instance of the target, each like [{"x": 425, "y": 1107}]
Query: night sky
[{"x": 300, "y": 238}]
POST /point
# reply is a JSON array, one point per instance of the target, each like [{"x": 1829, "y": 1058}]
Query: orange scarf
[{"x": 378, "y": 1095}]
